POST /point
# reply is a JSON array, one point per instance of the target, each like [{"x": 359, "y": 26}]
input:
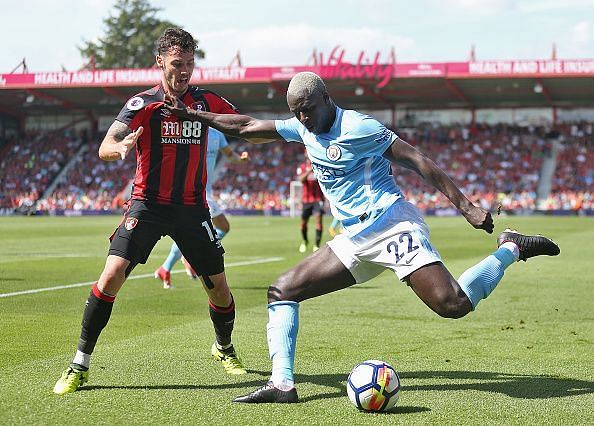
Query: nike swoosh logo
[{"x": 407, "y": 263}]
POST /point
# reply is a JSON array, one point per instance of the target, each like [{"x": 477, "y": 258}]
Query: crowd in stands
[
  {"x": 264, "y": 183},
  {"x": 493, "y": 164},
  {"x": 490, "y": 164},
  {"x": 28, "y": 165},
  {"x": 573, "y": 181},
  {"x": 90, "y": 183}
]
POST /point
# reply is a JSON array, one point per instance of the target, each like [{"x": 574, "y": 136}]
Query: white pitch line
[{"x": 136, "y": 277}]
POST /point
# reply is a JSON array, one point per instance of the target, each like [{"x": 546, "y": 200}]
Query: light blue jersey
[
  {"x": 347, "y": 161},
  {"x": 216, "y": 142}
]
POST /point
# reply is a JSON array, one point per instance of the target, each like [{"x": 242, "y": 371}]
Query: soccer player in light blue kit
[
  {"x": 216, "y": 142},
  {"x": 352, "y": 155}
]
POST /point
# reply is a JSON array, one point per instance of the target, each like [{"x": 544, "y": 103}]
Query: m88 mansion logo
[{"x": 181, "y": 132}]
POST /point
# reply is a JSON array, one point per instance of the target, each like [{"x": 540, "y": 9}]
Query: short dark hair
[{"x": 175, "y": 38}]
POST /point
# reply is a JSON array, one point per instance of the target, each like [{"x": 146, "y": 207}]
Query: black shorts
[
  {"x": 310, "y": 208},
  {"x": 190, "y": 227}
]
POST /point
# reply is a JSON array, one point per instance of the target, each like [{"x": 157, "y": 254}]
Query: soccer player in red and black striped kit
[
  {"x": 312, "y": 199},
  {"x": 168, "y": 198}
]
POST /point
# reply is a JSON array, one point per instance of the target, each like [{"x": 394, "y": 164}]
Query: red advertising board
[{"x": 334, "y": 68}]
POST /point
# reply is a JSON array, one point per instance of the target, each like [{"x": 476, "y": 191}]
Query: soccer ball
[{"x": 373, "y": 386}]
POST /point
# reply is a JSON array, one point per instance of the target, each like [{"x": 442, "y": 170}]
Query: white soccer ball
[{"x": 373, "y": 386}]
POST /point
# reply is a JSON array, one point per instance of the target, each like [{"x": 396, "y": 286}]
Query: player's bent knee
[
  {"x": 114, "y": 274},
  {"x": 219, "y": 293},
  {"x": 283, "y": 288},
  {"x": 111, "y": 281},
  {"x": 453, "y": 308}
]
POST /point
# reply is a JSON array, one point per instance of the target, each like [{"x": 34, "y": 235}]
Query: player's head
[
  {"x": 309, "y": 101},
  {"x": 176, "y": 50}
]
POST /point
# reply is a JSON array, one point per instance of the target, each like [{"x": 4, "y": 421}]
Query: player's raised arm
[
  {"x": 408, "y": 156},
  {"x": 118, "y": 141},
  {"x": 237, "y": 125}
]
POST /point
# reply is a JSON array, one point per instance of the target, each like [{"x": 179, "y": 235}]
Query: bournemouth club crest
[
  {"x": 130, "y": 223},
  {"x": 198, "y": 106}
]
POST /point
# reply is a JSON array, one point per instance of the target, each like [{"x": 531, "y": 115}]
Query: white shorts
[
  {"x": 397, "y": 240},
  {"x": 213, "y": 206}
]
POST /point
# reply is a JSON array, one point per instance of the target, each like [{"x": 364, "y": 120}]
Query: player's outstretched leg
[
  {"x": 529, "y": 245},
  {"x": 481, "y": 279}
]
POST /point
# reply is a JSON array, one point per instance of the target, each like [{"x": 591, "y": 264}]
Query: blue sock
[
  {"x": 480, "y": 280},
  {"x": 282, "y": 327},
  {"x": 174, "y": 256},
  {"x": 220, "y": 233}
]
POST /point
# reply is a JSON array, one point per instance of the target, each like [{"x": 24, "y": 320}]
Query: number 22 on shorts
[{"x": 402, "y": 246}]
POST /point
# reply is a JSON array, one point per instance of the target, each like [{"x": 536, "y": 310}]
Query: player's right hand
[
  {"x": 480, "y": 219},
  {"x": 177, "y": 108},
  {"x": 128, "y": 142}
]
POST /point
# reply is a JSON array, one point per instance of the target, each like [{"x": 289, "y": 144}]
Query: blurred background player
[
  {"x": 313, "y": 204},
  {"x": 216, "y": 142},
  {"x": 168, "y": 198}
]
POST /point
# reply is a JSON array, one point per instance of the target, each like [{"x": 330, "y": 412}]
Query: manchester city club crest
[
  {"x": 135, "y": 103},
  {"x": 333, "y": 152}
]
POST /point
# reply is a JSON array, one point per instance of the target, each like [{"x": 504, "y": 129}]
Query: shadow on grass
[
  {"x": 513, "y": 385},
  {"x": 522, "y": 386}
]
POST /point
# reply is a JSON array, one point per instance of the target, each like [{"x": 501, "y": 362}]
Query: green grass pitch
[{"x": 525, "y": 356}]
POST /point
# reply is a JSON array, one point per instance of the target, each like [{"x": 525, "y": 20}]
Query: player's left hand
[
  {"x": 177, "y": 107},
  {"x": 244, "y": 156},
  {"x": 124, "y": 147},
  {"x": 480, "y": 219}
]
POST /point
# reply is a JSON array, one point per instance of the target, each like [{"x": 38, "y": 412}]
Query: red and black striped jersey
[
  {"x": 171, "y": 152},
  {"x": 311, "y": 191}
]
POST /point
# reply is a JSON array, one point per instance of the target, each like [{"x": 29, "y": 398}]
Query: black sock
[
  {"x": 222, "y": 320},
  {"x": 97, "y": 312},
  {"x": 318, "y": 237},
  {"x": 304, "y": 233}
]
